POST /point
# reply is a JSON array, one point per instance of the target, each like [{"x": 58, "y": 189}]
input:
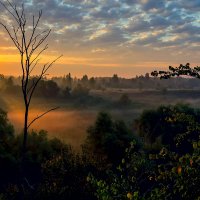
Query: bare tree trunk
[
  {"x": 28, "y": 39},
  {"x": 25, "y": 131}
]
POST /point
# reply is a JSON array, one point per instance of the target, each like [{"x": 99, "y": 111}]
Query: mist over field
[
  {"x": 68, "y": 126},
  {"x": 78, "y": 110}
]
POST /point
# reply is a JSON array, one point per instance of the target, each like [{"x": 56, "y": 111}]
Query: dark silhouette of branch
[
  {"x": 28, "y": 44},
  {"x": 182, "y": 70},
  {"x": 43, "y": 72},
  {"x": 38, "y": 117}
]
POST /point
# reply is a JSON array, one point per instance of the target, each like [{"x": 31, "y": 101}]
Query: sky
[{"x": 106, "y": 37}]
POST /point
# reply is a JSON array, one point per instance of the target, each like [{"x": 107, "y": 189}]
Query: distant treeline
[{"x": 67, "y": 85}]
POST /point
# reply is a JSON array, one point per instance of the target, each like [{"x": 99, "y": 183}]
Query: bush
[
  {"x": 107, "y": 140},
  {"x": 177, "y": 126},
  {"x": 6, "y": 129},
  {"x": 165, "y": 175}
]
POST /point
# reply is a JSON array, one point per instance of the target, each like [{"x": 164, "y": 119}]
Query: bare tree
[{"x": 29, "y": 40}]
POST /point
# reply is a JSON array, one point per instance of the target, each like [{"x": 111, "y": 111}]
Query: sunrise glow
[{"x": 103, "y": 37}]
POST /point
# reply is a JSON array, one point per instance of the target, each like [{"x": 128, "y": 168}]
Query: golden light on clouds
[
  {"x": 98, "y": 33},
  {"x": 112, "y": 35}
]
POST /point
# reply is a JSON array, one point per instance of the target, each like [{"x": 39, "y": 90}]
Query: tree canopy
[
  {"x": 182, "y": 70},
  {"x": 108, "y": 137},
  {"x": 6, "y": 129},
  {"x": 176, "y": 125}
]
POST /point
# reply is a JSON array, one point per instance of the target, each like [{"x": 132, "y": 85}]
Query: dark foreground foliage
[
  {"x": 174, "y": 126},
  {"x": 112, "y": 165}
]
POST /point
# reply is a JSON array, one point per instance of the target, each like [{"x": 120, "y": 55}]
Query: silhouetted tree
[
  {"x": 84, "y": 80},
  {"x": 27, "y": 38},
  {"x": 69, "y": 80},
  {"x": 6, "y": 129},
  {"x": 182, "y": 70},
  {"x": 1, "y": 76},
  {"x": 115, "y": 80},
  {"x": 92, "y": 82},
  {"x": 177, "y": 126},
  {"x": 66, "y": 92},
  {"x": 80, "y": 91},
  {"x": 147, "y": 76},
  {"x": 107, "y": 139},
  {"x": 47, "y": 88}
]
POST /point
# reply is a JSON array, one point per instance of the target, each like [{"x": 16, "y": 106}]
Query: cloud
[
  {"x": 190, "y": 5},
  {"x": 152, "y": 5},
  {"x": 102, "y": 26},
  {"x": 98, "y": 50}
]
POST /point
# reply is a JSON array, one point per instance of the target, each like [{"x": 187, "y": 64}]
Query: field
[{"x": 70, "y": 124}]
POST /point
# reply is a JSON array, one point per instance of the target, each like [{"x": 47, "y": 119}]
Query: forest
[{"x": 149, "y": 154}]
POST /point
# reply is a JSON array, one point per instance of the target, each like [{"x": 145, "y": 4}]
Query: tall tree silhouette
[{"x": 29, "y": 40}]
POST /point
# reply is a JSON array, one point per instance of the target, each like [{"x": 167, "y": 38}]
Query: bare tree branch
[
  {"x": 33, "y": 66},
  {"x": 28, "y": 43},
  {"x": 43, "y": 38},
  {"x": 49, "y": 65},
  {"x": 44, "y": 70},
  {"x": 45, "y": 48},
  {"x": 14, "y": 8},
  {"x": 38, "y": 117},
  {"x": 11, "y": 37},
  {"x": 34, "y": 27}
]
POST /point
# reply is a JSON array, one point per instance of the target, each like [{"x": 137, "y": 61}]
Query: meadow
[{"x": 70, "y": 123}]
